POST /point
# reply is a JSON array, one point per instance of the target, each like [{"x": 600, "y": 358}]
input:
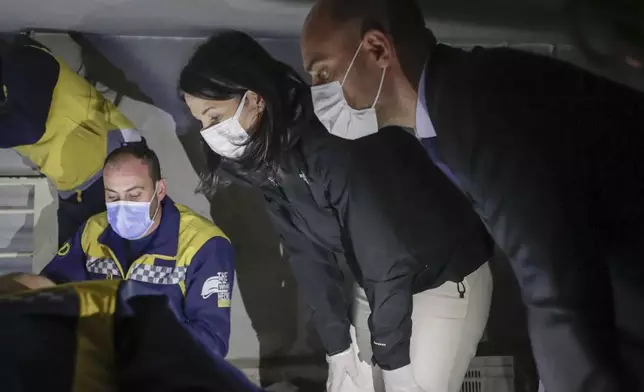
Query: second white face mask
[
  {"x": 227, "y": 138},
  {"x": 335, "y": 113}
]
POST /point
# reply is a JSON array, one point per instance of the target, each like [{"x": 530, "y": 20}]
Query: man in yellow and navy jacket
[
  {"x": 144, "y": 236},
  {"x": 62, "y": 126},
  {"x": 102, "y": 336}
]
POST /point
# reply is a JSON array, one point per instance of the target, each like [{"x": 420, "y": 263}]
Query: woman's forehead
[{"x": 200, "y": 105}]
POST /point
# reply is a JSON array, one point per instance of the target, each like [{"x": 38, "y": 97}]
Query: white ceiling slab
[
  {"x": 143, "y": 17},
  {"x": 449, "y": 18}
]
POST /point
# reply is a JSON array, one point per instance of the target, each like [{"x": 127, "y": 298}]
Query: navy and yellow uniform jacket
[
  {"x": 186, "y": 258},
  {"x": 56, "y": 119},
  {"x": 105, "y": 336}
]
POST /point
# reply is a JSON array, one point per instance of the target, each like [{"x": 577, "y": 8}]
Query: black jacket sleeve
[
  {"x": 390, "y": 200},
  {"x": 319, "y": 279}
]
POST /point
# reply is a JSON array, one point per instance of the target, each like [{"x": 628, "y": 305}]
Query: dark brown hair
[
  {"x": 141, "y": 151},
  {"x": 228, "y": 65}
]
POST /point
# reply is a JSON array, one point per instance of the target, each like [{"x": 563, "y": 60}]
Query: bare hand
[{"x": 16, "y": 282}]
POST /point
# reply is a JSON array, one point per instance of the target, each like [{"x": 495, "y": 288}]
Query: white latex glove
[
  {"x": 342, "y": 366},
  {"x": 400, "y": 380}
]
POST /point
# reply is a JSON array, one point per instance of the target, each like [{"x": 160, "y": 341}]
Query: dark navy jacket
[{"x": 551, "y": 158}]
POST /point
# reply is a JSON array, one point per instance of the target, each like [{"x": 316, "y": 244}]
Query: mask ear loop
[
  {"x": 351, "y": 64},
  {"x": 156, "y": 188},
  {"x": 155, "y": 212},
  {"x": 237, "y": 114},
  {"x": 382, "y": 79},
  {"x": 240, "y": 107}
]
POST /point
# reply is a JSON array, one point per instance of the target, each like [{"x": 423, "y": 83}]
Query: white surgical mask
[
  {"x": 227, "y": 138},
  {"x": 337, "y": 116}
]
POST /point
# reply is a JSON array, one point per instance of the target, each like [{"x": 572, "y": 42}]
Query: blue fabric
[
  {"x": 72, "y": 214},
  {"x": 174, "y": 365},
  {"x": 205, "y": 318},
  {"x": 152, "y": 350},
  {"x": 69, "y": 265},
  {"x": 133, "y": 249}
]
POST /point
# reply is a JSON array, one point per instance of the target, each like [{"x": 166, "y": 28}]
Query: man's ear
[
  {"x": 161, "y": 190},
  {"x": 380, "y": 46}
]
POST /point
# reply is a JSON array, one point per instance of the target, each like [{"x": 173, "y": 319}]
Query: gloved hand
[
  {"x": 400, "y": 380},
  {"x": 342, "y": 366}
]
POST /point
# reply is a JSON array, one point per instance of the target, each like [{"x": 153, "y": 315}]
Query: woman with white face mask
[{"x": 378, "y": 203}]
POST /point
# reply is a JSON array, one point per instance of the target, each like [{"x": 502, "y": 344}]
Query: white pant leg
[
  {"x": 446, "y": 330},
  {"x": 360, "y": 319}
]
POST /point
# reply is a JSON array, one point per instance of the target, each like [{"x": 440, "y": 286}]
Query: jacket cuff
[
  {"x": 336, "y": 340},
  {"x": 394, "y": 358}
]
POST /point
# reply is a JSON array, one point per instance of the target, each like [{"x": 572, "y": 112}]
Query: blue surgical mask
[{"x": 131, "y": 219}]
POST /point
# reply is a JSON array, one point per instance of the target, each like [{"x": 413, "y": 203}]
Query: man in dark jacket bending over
[{"x": 549, "y": 155}]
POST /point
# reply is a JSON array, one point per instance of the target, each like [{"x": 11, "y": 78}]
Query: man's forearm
[{"x": 8, "y": 284}]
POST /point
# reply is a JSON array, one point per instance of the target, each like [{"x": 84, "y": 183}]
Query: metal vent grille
[
  {"x": 490, "y": 374},
  {"x": 473, "y": 382}
]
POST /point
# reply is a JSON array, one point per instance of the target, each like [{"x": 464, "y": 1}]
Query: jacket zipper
[
  {"x": 460, "y": 286},
  {"x": 118, "y": 264}
]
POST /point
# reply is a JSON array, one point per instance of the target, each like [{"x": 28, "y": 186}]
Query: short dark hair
[
  {"x": 225, "y": 67},
  {"x": 402, "y": 19},
  {"x": 141, "y": 151}
]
